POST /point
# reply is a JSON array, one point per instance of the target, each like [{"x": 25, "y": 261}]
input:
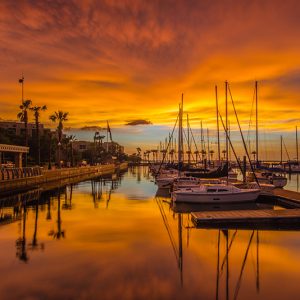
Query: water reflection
[
  {"x": 225, "y": 239},
  {"x": 120, "y": 238},
  {"x": 59, "y": 233},
  {"x": 21, "y": 241}
]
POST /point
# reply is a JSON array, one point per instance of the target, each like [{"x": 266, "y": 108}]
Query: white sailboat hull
[{"x": 198, "y": 197}]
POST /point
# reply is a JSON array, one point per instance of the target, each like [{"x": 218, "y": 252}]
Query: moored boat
[
  {"x": 277, "y": 180},
  {"x": 216, "y": 193}
]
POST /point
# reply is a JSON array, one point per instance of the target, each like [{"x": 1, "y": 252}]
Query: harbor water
[{"x": 117, "y": 238}]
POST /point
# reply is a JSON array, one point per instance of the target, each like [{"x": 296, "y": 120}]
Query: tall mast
[
  {"x": 180, "y": 136},
  {"x": 107, "y": 138},
  {"x": 256, "y": 125},
  {"x": 201, "y": 137},
  {"x": 188, "y": 138},
  {"x": 218, "y": 129},
  {"x": 226, "y": 123},
  {"x": 281, "y": 149},
  {"x": 297, "y": 153},
  {"x": 22, "y": 88},
  {"x": 229, "y": 136},
  {"x": 208, "y": 145}
]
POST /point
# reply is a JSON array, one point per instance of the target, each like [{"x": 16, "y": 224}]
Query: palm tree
[
  {"x": 23, "y": 117},
  {"x": 139, "y": 150},
  {"x": 60, "y": 117},
  {"x": 71, "y": 139},
  {"x": 36, "y": 112}
]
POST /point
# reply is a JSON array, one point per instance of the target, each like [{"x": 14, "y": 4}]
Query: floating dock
[{"x": 264, "y": 219}]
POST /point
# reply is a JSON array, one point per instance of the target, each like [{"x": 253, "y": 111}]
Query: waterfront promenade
[{"x": 48, "y": 179}]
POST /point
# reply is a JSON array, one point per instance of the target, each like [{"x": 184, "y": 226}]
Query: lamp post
[{"x": 59, "y": 162}]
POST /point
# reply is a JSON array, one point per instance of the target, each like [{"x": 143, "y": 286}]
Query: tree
[
  {"x": 71, "y": 139},
  {"x": 60, "y": 117},
  {"x": 36, "y": 112},
  {"x": 23, "y": 117}
]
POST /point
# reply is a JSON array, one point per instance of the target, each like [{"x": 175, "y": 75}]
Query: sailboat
[
  {"x": 215, "y": 193},
  {"x": 212, "y": 193}
]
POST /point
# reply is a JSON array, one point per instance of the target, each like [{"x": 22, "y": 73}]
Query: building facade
[{"x": 18, "y": 128}]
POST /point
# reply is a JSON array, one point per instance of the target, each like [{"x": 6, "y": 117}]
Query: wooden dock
[
  {"x": 265, "y": 219},
  {"x": 288, "y": 197}
]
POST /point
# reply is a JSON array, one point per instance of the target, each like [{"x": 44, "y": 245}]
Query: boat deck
[{"x": 263, "y": 219}]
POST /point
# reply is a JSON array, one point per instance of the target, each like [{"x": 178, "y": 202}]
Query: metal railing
[{"x": 17, "y": 173}]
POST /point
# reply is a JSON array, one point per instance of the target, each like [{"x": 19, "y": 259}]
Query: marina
[
  {"x": 149, "y": 150},
  {"x": 76, "y": 226}
]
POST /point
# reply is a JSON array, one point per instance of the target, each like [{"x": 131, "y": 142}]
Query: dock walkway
[
  {"x": 52, "y": 178},
  {"x": 288, "y": 197},
  {"x": 267, "y": 219}
]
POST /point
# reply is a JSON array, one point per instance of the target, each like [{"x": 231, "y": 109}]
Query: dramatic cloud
[
  {"x": 138, "y": 122},
  {"x": 91, "y": 128},
  {"x": 130, "y": 60}
]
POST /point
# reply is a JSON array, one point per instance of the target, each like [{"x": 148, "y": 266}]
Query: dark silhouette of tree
[
  {"x": 23, "y": 117},
  {"x": 36, "y": 112},
  {"x": 60, "y": 117}
]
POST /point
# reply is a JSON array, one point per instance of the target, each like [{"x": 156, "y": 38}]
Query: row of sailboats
[{"x": 194, "y": 190}]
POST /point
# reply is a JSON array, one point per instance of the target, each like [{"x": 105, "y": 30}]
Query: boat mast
[
  {"x": 229, "y": 137},
  {"x": 281, "y": 149},
  {"x": 208, "y": 149},
  {"x": 201, "y": 137},
  {"x": 226, "y": 123},
  {"x": 180, "y": 136},
  {"x": 188, "y": 138},
  {"x": 297, "y": 153},
  {"x": 256, "y": 125},
  {"x": 218, "y": 129}
]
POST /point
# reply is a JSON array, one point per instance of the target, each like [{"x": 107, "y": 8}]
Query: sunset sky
[{"x": 130, "y": 60}]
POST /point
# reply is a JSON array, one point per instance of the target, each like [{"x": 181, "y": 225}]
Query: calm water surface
[{"x": 118, "y": 239}]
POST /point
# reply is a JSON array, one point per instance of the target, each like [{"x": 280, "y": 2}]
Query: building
[
  {"x": 113, "y": 147},
  {"x": 81, "y": 146},
  {"x": 18, "y": 128}
]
